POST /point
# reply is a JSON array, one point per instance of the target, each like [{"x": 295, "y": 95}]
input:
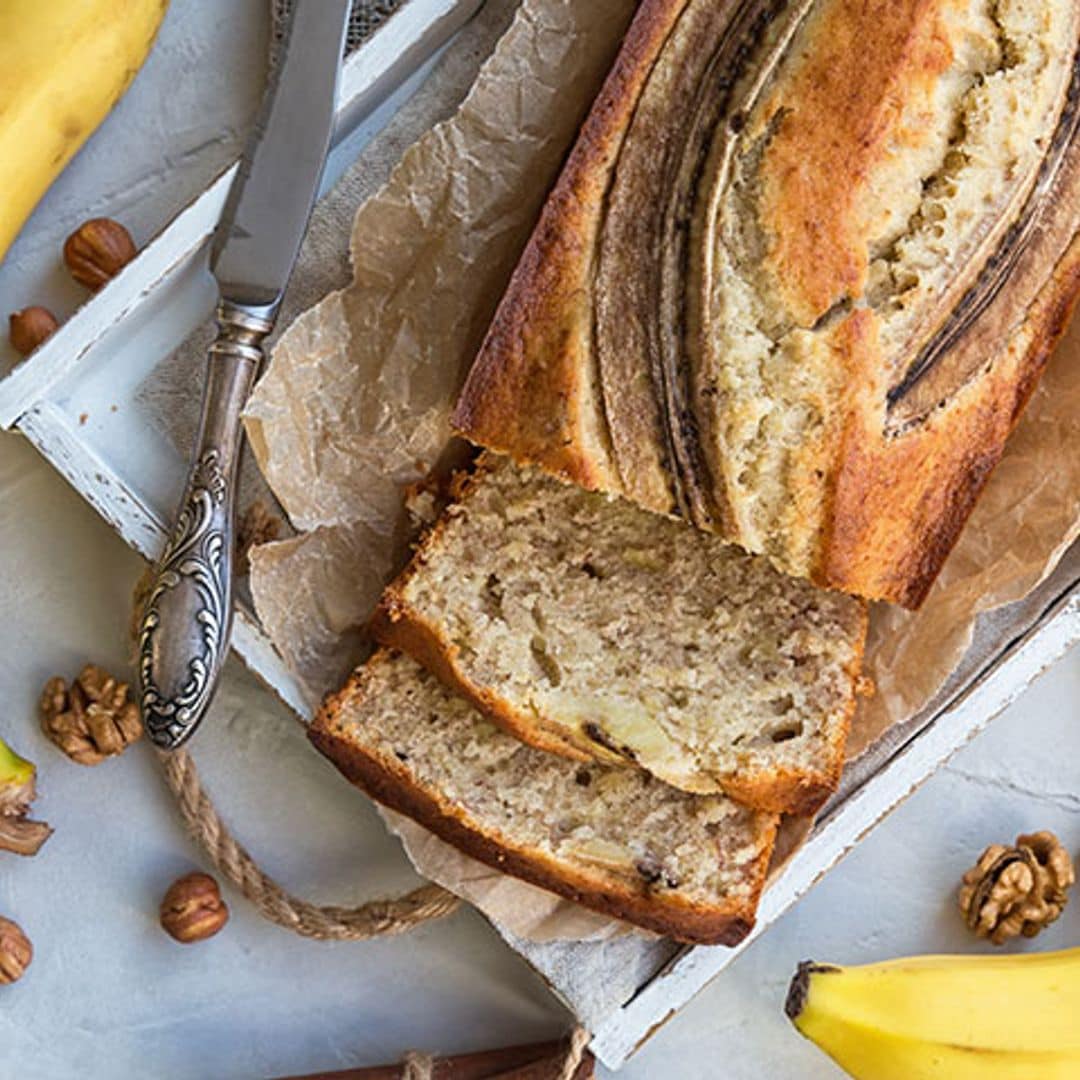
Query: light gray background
[{"x": 109, "y": 996}]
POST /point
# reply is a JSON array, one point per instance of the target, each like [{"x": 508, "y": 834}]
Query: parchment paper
[
  {"x": 515, "y": 905},
  {"x": 355, "y": 402}
]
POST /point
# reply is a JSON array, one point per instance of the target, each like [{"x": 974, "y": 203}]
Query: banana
[
  {"x": 17, "y": 832},
  {"x": 16, "y": 780},
  {"x": 945, "y": 1017},
  {"x": 63, "y": 65}
]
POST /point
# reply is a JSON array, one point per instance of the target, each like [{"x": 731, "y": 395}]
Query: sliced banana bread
[
  {"x": 615, "y": 840},
  {"x": 591, "y": 628}
]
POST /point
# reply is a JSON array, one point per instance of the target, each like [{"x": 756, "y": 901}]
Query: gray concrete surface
[{"x": 108, "y": 996}]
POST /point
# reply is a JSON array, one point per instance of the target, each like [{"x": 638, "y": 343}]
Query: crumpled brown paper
[
  {"x": 522, "y": 909},
  {"x": 355, "y": 402},
  {"x": 1025, "y": 520}
]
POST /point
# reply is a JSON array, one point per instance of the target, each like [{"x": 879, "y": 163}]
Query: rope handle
[
  {"x": 575, "y": 1054},
  {"x": 323, "y": 922}
]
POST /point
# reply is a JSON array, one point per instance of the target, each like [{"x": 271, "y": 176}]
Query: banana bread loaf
[
  {"x": 589, "y": 627},
  {"x": 614, "y": 840},
  {"x": 800, "y": 274}
]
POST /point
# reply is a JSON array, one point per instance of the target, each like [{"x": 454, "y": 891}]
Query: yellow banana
[
  {"x": 63, "y": 65},
  {"x": 871, "y": 1055},
  {"x": 17, "y": 832},
  {"x": 945, "y": 1017},
  {"x": 16, "y": 778}
]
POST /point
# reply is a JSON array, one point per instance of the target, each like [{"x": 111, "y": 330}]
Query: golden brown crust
[
  {"x": 901, "y": 492},
  {"x": 546, "y": 312},
  {"x": 897, "y": 496},
  {"x": 388, "y": 782},
  {"x": 899, "y": 505},
  {"x": 813, "y": 172},
  {"x": 784, "y": 791}
]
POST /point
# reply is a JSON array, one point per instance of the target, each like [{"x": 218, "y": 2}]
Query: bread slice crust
[
  {"x": 389, "y": 782},
  {"x": 399, "y": 624}
]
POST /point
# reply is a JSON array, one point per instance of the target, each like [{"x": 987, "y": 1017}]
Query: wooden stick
[{"x": 535, "y": 1061}]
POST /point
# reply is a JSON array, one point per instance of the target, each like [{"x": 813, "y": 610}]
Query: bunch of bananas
[
  {"x": 946, "y": 1017},
  {"x": 63, "y": 65}
]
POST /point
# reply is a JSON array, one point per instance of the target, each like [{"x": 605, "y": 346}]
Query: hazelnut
[
  {"x": 97, "y": 251},
  {"x": 192, "y": 909},
  {"x": 28, "y": 328},
  {"x": 16, "y": 952}
]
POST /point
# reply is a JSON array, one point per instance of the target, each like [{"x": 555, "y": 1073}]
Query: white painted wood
[
  {"x": 615, "y": 1041},
  {"x": 33, "y": 380},
  {"x": 49, "y": 428},
  {"x": 400, "y": 45},
  {"x": 394, "y": 55},
  {"x": 251, "y": 644},
  {"x": 93, "y": 364}
]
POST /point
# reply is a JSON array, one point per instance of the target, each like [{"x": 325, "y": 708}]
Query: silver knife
[{"x": 184, "y": 634}]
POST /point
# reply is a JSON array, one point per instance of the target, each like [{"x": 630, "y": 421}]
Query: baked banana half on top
[{"x": 800, "y": 274}]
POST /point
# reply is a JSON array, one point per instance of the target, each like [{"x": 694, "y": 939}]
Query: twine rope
[
  {"x": 579, "y": 1040},
  {"x": 324, "y": 922},
  {"x": 418, "y": 1066}
]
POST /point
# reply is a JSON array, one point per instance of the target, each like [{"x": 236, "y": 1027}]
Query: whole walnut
[
  {"x": 92, "y": 719},
  {"x": 1017, "y": 890}
]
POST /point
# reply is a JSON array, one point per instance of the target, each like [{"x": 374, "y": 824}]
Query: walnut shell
[
  {"x": 1017, "y": 890},
  {"x": 91, "y": 720}
]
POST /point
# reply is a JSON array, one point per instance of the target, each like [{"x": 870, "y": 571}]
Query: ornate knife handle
[{"x": 184, "y": 634}]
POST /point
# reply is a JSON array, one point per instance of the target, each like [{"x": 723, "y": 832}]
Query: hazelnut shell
[
  {"x": 97, "y": 251},
  {"x": 28, "y": 328},
  {"x": 16, "y": 952},
  {"x": 192, "y": 909}
]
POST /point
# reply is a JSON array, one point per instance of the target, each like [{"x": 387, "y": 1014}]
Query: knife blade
[
  {"x": 186, "y": 621},
  {"x": 270, "y": 201}
]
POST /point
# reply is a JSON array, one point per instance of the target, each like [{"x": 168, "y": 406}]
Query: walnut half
[
  {"x": 1017, "y": 890},
  {"x": 91, "y": 720}
]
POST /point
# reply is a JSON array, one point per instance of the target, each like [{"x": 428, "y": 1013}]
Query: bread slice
[
  {"x": 614, "y": 840},
  {"x": 800, "y": 274},
  {"x": 591, "y": 628}
]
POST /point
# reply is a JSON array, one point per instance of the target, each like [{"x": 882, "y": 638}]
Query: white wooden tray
[{"x": 82, "y": 400}]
